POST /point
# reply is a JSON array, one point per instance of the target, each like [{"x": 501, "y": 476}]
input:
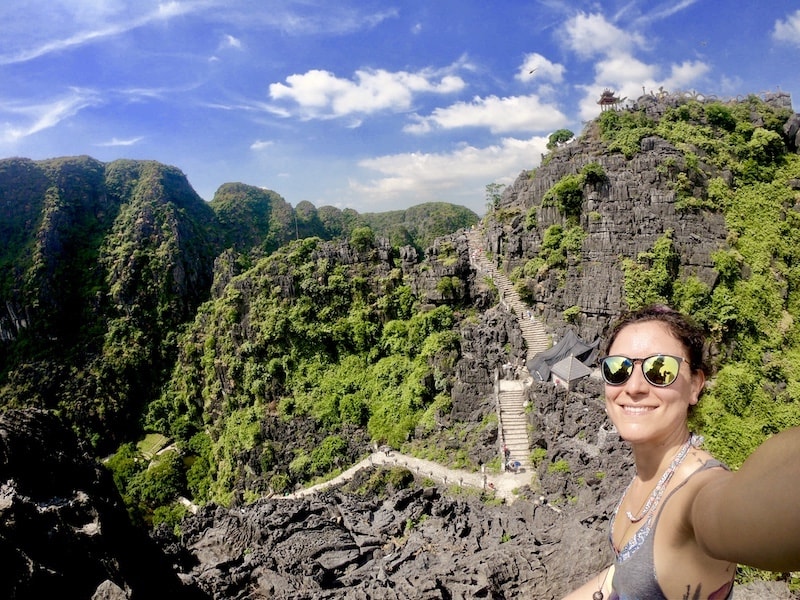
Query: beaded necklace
[
  {"x": 655, "y": 496},
  {"x": 658, "y": 491}
]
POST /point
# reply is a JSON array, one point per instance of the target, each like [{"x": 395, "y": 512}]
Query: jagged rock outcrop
[
  {"x": 422, "y": 542},
  {"x": 64, "y": 531},
  {"x": 623, "y": 217},
  {"x": 622, "y": 214}
]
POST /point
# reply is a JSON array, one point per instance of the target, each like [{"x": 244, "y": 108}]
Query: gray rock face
[
  {"x": 64, "y": 532},
  {"x": 416, "y": 543},
  {"x": 622, "y": 217},
  {"x": 423, "y": 542}
]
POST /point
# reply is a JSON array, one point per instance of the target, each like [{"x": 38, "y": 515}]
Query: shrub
[
  {"x": 571, "y": 314},
  {"x": 559, "y": 137},
  {"x": 593, "y": 173},
  {"x": 650, "y": 277},
  {"x": 537, "y": 456},
  {"x": 720, "y": 116},
  {"x": 559, "y": 466},
  {"x": 567, "y": 194},
  {"x": 362, "y": 238}
]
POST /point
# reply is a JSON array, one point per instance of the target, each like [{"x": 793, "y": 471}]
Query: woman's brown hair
[{"x": 682, "y": 327}]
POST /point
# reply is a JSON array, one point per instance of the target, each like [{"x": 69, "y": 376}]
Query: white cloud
[
  {"x": 261, "y": 144},
  {"x": 666, "y": 10},
  {"x": 118, "y": 142},
  {"x": 592, "y": 35},
  {"x": 630, "y": 78},
  {"x": 683, "y": 75},
  {"x": 426, "y": 175},
  {"x": 38, "y": 117},
  {"x": 536, "y": 66},
  {"x": 499, "y": 115},
  {"x": 789, "y": 30},
  {"x": 622, "y": 69},
  {"x": 315, "y": 18},
  {"x": 101, "y": 29},
  {"x": 229, "y": 41},
  {"x": 320, "y": 94}
]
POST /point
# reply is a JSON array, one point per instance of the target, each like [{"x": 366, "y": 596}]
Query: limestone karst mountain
[{"x": 273, "y": 360}]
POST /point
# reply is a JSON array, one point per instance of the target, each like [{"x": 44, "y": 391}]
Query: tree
[
  {"x": 494, "y": 192},
  {"x": 362, "y": 238},
  {"x": 558, "y": 138}
]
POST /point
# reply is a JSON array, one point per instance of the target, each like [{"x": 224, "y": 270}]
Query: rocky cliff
[
  {"x": 64, "y": 531},
  {"x": 633, "y": 202}
]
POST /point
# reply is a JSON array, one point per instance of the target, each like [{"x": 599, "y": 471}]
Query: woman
[{"x": 685, "y": 520}]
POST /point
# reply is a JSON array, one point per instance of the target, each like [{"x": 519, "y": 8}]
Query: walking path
[
  {"x": 511, "y": 392},
  {"x": 510, "y": 405},
  {"x": 503, "y": 484}
]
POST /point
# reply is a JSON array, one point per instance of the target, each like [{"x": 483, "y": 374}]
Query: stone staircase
[
  {"x": 511, "y": 411},
  {"x": 513, "y": 421}
]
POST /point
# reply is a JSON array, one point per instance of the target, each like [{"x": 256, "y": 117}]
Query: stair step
[{"x": 512, "y": 415}]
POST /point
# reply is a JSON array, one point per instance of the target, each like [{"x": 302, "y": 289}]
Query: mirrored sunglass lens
[
  {"x": 660, "y": 370},
  {"x": 616, "y": 369}
]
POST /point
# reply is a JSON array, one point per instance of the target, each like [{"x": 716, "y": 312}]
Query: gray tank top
[{"x": 635, "y": 571}]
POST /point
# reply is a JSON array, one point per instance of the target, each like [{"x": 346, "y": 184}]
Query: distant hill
[
  {"x": 419, "y": 225},
  {"x": 103, "y": 263}
]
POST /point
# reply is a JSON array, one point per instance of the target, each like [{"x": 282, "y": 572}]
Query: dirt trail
[{"x": 503, "y": 484}]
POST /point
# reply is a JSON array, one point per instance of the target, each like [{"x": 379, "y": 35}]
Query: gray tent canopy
[{"x": 570, "y": 344}]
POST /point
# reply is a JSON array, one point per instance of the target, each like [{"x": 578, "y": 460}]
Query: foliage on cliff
[
  {"x": 419, "y": 225},
  {"x": 737, "y": 160},
  {"x": 304, "y": 337},
  {"x": 103, "y": 264}
]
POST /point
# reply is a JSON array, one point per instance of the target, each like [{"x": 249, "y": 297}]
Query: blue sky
[{"x": 366, "y": 104}]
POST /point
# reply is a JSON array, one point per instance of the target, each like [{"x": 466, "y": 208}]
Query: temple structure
[{"x": 608, "y": 100}]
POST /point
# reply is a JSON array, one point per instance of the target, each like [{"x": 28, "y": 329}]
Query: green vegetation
[
  {"x": 752, "y": 310},
  {"x": 558, "y": 138},
  {"x": 572, "y": 314},
  {"x": 560, "y": 466},
  {"x": 559, "y": 246},
  {"x": 345, "y": 349},
  {"x": 567, "y": 193},
  {"x": 650, "y": 277},
  {"x": 537, "y": 456},
  {"x": 623, "y": 131},
  {"x": 148, "y": 485},
  {"x": 567, "y": 196},
  {"x": 419, "y": 225},
  {"x": 494, "y": 193}
]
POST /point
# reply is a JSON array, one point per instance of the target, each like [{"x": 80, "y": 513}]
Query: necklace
[
  {"x": 598, "y": 595},
  {"x": 658, "y": 491}
]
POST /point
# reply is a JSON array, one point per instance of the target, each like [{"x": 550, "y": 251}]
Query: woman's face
[{"x": 644, "y": 413}]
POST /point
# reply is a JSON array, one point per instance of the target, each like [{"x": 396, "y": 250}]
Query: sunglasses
[{"x": 659, "y": 370}]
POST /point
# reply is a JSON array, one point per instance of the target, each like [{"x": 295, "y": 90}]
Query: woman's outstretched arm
[{"x": 751, "y": 516}]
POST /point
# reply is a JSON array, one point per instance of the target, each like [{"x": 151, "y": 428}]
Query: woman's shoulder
[{"x": 699, "y": 469}]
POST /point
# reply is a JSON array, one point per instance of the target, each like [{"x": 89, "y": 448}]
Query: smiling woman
[{"x": 685, "y": 521}]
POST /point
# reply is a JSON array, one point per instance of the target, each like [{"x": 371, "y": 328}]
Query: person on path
[{"x": 685, "y": 521}]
